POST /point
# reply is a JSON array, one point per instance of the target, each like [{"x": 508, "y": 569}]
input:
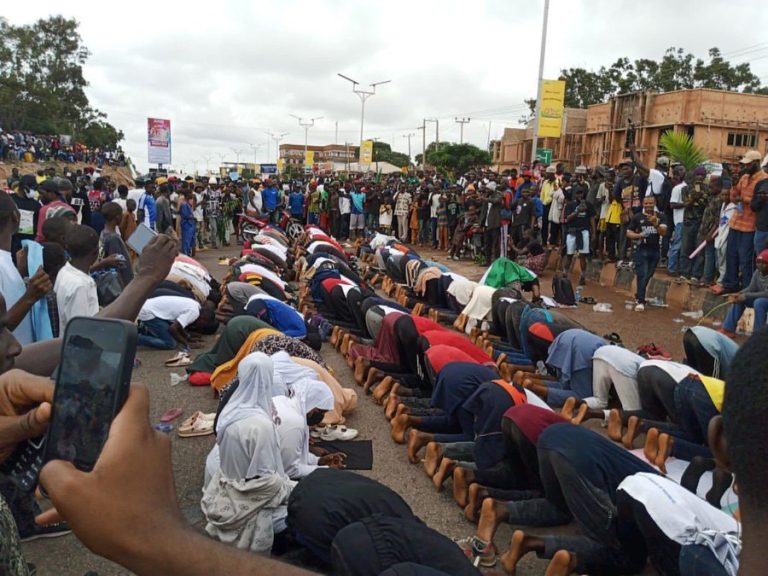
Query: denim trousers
[
  {"x": 698, "y": 560},
  {"x": 690, "y": 267},
  {"x": 646, "y": 260},
  {"x": 710, "y": 262},
  {"x": 760, "y": 306},
  {"x": 739, "y": 259},
  {"x": 156, "y": 333},
  {"x": 674, "y": 248}
]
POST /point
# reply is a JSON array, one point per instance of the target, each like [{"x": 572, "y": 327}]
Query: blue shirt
[
  {"x": 296, "y": 202},
  {"x": 269, "y": 198},
  {"x": 147, "y": 203},
  {"x": 358, "y": 200}
]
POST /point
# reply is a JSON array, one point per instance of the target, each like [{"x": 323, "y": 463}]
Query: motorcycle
[{"x": 250, "y": 226}]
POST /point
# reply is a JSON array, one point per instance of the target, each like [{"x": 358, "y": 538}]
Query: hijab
[{"x": 253, "y": 395}]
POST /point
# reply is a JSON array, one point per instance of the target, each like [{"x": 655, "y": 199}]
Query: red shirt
[
  {"x": 533, "y": 420},
  {"x": 459, "y": 342}
]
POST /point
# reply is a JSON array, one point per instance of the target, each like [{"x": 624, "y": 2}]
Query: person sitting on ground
[
  {"x": 76, "y": 293},
  {"x": 532, "y": 250},
  {"x": 754, "y": 296}
]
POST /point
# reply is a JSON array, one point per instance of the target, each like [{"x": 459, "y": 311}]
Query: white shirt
[
  {"x": 76, "y": 294},
  {"x": 623, "y": 360},
  {"x": 171, "y": 308},
  {"x": 675, "y": 370},
  {"x": 676, "y": 198},
  {"x": 655, "y": 182},
  {"x": 344, "y": 206},
  {"x": 294, "y": 434},
  {"x": 13, "y": 289},
  {"x": 434, "y": 204},
  {"x": 135, "y": 194},
  {"x": 199, "y": 197}
]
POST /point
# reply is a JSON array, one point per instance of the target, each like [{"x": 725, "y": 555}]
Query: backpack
[{"x": 562, "y": 290}]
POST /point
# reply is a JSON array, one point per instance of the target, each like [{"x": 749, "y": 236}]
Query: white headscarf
[
  {"x": 253, "y": 395},
  {"x": 286, "y": 372},
  {"x": 302, "y": 382}
]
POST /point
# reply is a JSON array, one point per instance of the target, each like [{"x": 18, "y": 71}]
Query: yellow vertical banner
[
  {"x": 552, "y": 97},
  {"x": 366, "y": 152},
  {"x": 280, "y": 163},
  {"x": 309, "y": 158}
]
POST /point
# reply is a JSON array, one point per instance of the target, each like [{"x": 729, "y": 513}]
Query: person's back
[{"x": 76, "y": 293}]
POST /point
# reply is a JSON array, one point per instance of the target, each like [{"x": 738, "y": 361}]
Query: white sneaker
[
  {"x": 332, "y": 433},
  {"x": 319, "y": 431},
  {"x": 639, "y": 307}
]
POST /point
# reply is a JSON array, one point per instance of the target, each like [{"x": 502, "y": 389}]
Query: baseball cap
[
  {"x": 751, "y": 156},
  {"x": 581, "y": 169},
  {"x": 763, "y": 256},
  {"x": 49, "y": 186},
  {"x": 662, "y": 161}
]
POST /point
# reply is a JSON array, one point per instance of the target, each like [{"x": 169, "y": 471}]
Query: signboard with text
[
  {"x": 552, "y": 107},
  {"x": 366, "y": 152},
  {"x": 159, "y": 140},
  {"x": 544, "y": 155}
]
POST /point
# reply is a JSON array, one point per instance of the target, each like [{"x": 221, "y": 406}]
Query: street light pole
[
  {"x": 277, "y": 138},
  {"x": 364, "y": 95},
  {"x": 409, "y": 135},
  {"x": 237, "y": 152},
  {"x": 423, "y": 129},
  {"x": 537, "y": 113},
  {"x": 437, "y": 131},
  {"x": 461, "y": 122},
  {"x": 306, "y": 125}
]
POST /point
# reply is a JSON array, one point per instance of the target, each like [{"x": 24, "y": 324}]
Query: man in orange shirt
[{"x": 740, "y": 248}]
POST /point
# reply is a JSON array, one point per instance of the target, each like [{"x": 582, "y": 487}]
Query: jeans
[
  {"x": 760, "y": 306},
  {"x": 424, "y": 231},
  {"x": 710, "y": 262},
  {"x": 690, "y": 268},
  {"x": 694, "y": 409},
  {"x": 213, "y": 231},
  {"x": 580, "y": 386},
  {"x": 698, "y": 560},
  {"x": 674, "y": 248},
  {"x": 156, "y": 333},
  {"x": 646, "y": 259},
  {"x": 457, "y": 427},
  {"x": 739, "y": 257},
  {"x": 433, "y": 230},
  {"x": 760, "y": 239}
]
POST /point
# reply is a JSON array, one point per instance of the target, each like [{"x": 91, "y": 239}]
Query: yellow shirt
[
  {"x": 613, "y": 215},
  {"x": 716, "y": 390},
  {"x": 547, "y": 188}
]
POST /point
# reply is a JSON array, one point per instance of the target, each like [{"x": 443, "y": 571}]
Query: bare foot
[
  {"x": 505, "y": 371},
  {"x": 416, "y": 441},
  {"x": 562, "y": 564},
  {"x": 567, "y": 410},
  {"x": 398, "y": 426},
  {"x": 339, "y": 338},
  {"x": 665, "y": 449},
  {"x": 581, "y": 414},
  {"x": 519, "y": 377},
  {"x": 629, "y": 436},
  {"x": 651, "y": 448},
  {"x": 402, "y": 409},
  {"x": 360, "y": 367},
  {"x": 461, "y": 480},
  {"x": 382, "y": 388},
  {"x": 615, "y": 426},
  {"x": 432, "y": 456},
  {"x": 446, "y": 467},
  {"x": 477, "y": 495},
  {"x": 374, "y": 375},
  {"x": 517, "y": 549},
  {"x": 334, "y": 336},
  {"x": 391, "y": 406}
]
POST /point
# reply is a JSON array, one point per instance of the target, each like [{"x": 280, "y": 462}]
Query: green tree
[
  {"x": 42, "y": 87},
  {"x": 458, "y": 158},
  {"x": 382, "y": 152},
  {"x": 680, "y": 147}
]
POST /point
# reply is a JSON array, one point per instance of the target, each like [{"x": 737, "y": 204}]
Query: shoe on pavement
[
  {"x": 478, "y": 552},
  {"x": 639, "y": 307},
  {"x": 333, "y": 433},
  {"x": 319, "y": 431},
  {"x": 37, "y": 531}
]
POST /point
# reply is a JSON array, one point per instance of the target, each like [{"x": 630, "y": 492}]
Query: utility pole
[
  {"x": 336, "y": 136},
  {"x": 364, "y": 95},
  {"x": 423, "y": 129},
  {"x": 276, "y": 138},
  {"x": 237, "y": 152},
  {"x": 461, "y": 122},
  {"x": 306, "y": 125},
  {"x": 488, "y": 142},
  {"x": 537, "y": 113},
  {"x": 255, "y": 148},
  {"x": 408, "y": 136},
  {"x": 437, "y": 131}
]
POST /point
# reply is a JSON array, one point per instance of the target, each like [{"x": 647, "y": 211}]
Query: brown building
[
  {"x": 294, "y": 153},
  {"x": 724, "y": 124}
]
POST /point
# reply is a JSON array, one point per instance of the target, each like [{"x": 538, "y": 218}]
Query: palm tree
[{"x": 679, "y": 146}]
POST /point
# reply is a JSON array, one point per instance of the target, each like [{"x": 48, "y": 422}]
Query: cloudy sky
[{"x": 226, "y": 72}]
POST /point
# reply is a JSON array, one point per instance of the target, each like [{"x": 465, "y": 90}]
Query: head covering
[
  {"x": 700, "y": 171},
  {"x": 254, "y": 394},
  {"x": 287, "y": 373},
  {"x": 751, "y": 156},
  {"x": 763, "y": 256},
  {"x": 662, "y": 161}
]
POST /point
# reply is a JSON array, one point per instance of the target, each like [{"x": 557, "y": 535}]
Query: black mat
[{"x": 359, "y": 452}]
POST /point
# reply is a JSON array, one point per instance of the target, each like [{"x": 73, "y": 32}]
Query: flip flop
[
  {"x": 175, "y": 358},
  {"x": 199, "y": 424},
  {"x": 172, "y": 414},
  {"x": 185, "y": 360}
]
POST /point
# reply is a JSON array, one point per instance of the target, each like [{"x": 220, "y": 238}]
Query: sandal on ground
[
  {"x": 184, "y": 360},
  {"x": 175, "y": 358},
  {"x": 199, "y": 424}
]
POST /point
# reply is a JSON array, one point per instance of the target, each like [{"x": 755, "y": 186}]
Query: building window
[{"x": 742, "y": 140}]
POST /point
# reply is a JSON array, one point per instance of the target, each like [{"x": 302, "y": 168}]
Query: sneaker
[
  {"x": 332, "y": 433},
  {"x": 37, "y": 531},
  {"x": 478, "y": 552},
  {"x": 319, "y": 431},
  {"x": 639, "y": 307}
]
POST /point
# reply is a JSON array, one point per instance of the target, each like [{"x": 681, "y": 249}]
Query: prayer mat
[{"x": 359, "y": 452}]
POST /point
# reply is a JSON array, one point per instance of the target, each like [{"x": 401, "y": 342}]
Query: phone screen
[
  {"x": 140, "y": 238},
  {"x": 91, "y": 385}
]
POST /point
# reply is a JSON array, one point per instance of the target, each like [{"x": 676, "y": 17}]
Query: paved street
[{"x": 66, "y": 556}]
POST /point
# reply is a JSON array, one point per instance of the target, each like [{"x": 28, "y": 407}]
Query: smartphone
[
  {"x": 92, "y": 384},
  {"x": 140, "y": 238}
]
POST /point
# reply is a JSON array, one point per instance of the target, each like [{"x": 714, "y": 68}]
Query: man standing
[
  {"x": 53, "y": 206},
  {"x": 147, "y": 209},
  {"x": 490, "y": 221},
  {"x": 269, "y": 199},
  {"x": 357, "y": 220},
  {"x": 213, "y": 210},
  {"x": 402, "y": 209},
  {"x": 547, "y": 188},
  {"x": 580, "y": 221},
  {"x": 28, "y": 208},
  {"x": 630, "y": 190},
  {"x": 695, "y": 203},
  {"x": 345, "y": 209},
  {"x": 434, "y": 204},
  {"x": 163, "y": 217},
  {"x": 677, "y": 205},
  {"x": 646, "y": 229},
  {"x": 200, "y": 216},
  {"x": 740, "y": 248}
]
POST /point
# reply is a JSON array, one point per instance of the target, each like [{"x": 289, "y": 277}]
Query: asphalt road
[{"x": 67, "y": 556}]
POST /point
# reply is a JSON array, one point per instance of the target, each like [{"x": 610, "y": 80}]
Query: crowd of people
[
  {"x": 20, "y": 146},
  {"x": 488, "y": 379}
]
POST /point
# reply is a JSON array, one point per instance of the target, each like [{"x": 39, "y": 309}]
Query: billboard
[
  {"x": 159, "y": 140},
  {"x": 309, "y": 158},
  {"x": 552, "y": 97},
  {"x": 366, "y": 152}
]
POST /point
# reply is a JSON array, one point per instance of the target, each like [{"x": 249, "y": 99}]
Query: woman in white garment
[{"x": 244, "y": 500}]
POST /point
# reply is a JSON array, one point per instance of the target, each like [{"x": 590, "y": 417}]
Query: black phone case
[{"x": 129, "y": 352}]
